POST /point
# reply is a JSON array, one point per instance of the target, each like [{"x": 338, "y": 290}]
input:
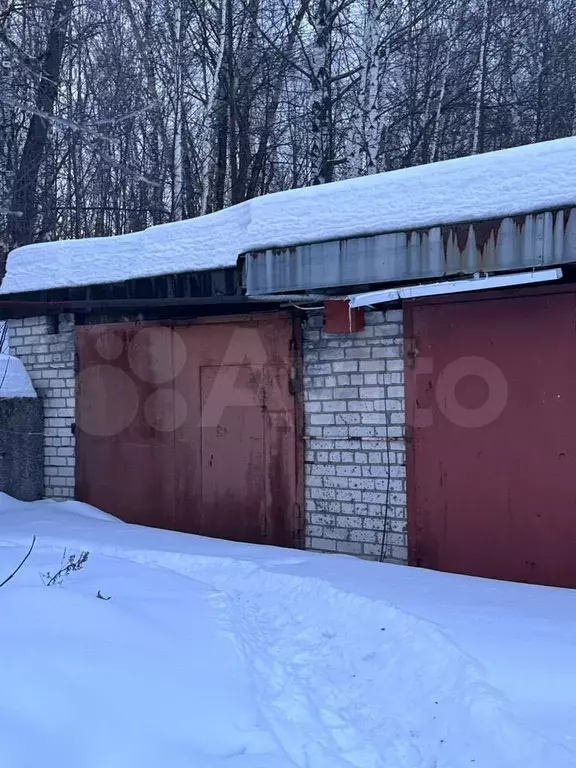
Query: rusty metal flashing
[{"x": 513, "y": 243}]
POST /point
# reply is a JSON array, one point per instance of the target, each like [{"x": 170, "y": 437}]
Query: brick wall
[
  {"x": 46, "y": 347},
  {"x": 355, "y": 457}
]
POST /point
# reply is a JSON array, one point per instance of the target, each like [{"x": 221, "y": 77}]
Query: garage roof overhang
[
  {"x": 545, "y": 238},
  {"x": 189, "y": 294},
  {"x": 168, "y": 294}
]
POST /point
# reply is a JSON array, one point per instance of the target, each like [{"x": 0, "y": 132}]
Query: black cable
[
  {"x": 387, "y": 493},
  {"x": 3, "y": 335}
]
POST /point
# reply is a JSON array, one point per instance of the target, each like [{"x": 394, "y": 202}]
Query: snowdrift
[
  {"x": 14, "y": 379},
  {"x": 214, "y": 654}
]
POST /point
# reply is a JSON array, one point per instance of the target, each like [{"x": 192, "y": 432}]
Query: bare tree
[{"x": 24, "y": 195}]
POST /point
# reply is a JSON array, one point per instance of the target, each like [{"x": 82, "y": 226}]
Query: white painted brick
[
  {"x": 321, "y": 493},
  {"x": 357, "y": 353},
  {"x": 348, "y": 418},
  {"x": 340, "y": 534},
  {"x": 321, "y": 418},
  {"x": 319, "y": 369},
  {"x": 360, "y": 405},
  {"x": 376, "y": 470},
  {"x": 335, "y": 432},
  {"x": 350, "y": 495},
  {"x": 356, "y": 462},
  {"x": 345, "y": 366},
  {"x": 362, "y": 431},
  {"x": 374, "y": 418},
  {"x": 385, "y": 352},
  {"x": 345, "y": 393},
  {"x": 369, "y": 366},
  {"x": 349, "y": 547},
  {"x": 348, "y": 470},
  {"x": 318, "y": 394},
  {"x": 334, "y": 406},
  {"x": 387, "y": 329},
  {"x": 371, "y": 393},
  {"x": 317, "y": 518},
  {"x": 331, "y": 354},
  {"x": 346, "y": 521},
  {"x": 376, "y": 523},
  {"x": 323, "y": 544},
  {"x": 362, "y": 483},
  {"x": 368, "y": 537}
]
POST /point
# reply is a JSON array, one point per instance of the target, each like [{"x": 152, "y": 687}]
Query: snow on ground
[
  {"x": 511, "y": 181},
  {"x": 14, "y": 379},
  {"x": 214, "y": 654}
]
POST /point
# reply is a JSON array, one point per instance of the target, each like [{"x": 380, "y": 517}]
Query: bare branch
[{"x": 15, "y": 571}]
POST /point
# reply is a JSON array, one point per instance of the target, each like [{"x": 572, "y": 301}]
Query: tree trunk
[
  {"x": 478, "y": 134},
  {"x": 24, "y": 196}
]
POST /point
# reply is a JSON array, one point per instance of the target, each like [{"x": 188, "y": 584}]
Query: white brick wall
[
  {"x": 356, "y": 452},
  {"x": 46, "y": 348}
]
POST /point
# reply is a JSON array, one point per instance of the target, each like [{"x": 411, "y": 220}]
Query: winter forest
[{"x": 119, "y": 114}]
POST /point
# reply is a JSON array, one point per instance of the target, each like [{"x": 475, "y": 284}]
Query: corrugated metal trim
[{"x": 519, "y": 242}]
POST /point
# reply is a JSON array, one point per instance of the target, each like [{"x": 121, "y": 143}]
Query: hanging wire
[
  {"x": 387, "y": 492},
  {"x": 3, "y": 337},
  {"x": 3, "y": 334}
]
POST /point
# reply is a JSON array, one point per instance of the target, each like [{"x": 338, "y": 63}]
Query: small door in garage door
[
  {"x": 192, "y": 428},
  {"x": 491, "y": 409}
]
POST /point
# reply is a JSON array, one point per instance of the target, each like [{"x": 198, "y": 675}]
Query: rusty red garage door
[
  {"x": 192, "y": 428},
  {"x": 491, "y": 412}
]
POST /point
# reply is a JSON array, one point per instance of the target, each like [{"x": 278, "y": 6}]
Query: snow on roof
[
  {"x": 496, "y": 184},
  {"x": 14, "y": 380}
]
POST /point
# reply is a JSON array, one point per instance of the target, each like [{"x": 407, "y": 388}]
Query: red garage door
[
  {"x": 491, "y": 388},
  {"x": 192, "y": 428}
]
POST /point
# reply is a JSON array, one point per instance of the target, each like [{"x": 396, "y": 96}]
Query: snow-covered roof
[
  {"x": 512, "y": 181},
  {"x": 14, "y": 380}
]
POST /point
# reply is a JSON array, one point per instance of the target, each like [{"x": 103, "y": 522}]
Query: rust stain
[
  {"x": 520, "y": 221},
  {"x": 484, "y": 230},
  {"x": 462, "y": 232}
]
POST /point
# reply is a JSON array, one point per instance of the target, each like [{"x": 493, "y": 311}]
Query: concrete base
[{"x": 22, "y": 448}]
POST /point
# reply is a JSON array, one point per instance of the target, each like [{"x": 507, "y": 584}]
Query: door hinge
[
  {"x": 299, "y": 532},
  {"x": 294, "y": 384},
  {"x": 412, "y": 353}
]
